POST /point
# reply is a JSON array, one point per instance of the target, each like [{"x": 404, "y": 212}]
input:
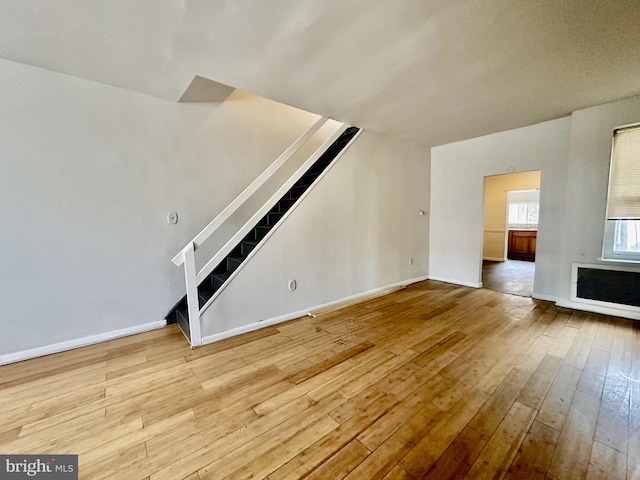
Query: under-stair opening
[{"x": 224, "y": 270}]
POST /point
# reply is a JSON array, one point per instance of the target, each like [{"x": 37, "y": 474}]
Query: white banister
[
  {"x": 275, "y": 227},
  {"x": 192, "y": 295},
  {"x": 231, "y": 244},
  {"x": 186, "y": 256},
  {"x": 247, "y": 192}
]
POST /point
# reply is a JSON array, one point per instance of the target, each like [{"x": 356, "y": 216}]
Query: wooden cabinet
[{"x": 522, "y": 245}]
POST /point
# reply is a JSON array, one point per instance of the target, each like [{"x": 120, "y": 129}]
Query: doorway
[
  {"x": 511, "y": 206},
  {"x": 511, "y": 276}
]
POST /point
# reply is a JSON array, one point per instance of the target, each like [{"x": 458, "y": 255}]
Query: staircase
[{"x": 223, "y": 272}]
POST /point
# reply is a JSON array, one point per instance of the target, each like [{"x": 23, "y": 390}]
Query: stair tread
[
  {"x": 284, "y": 204},
  {"x": 205, "y": 295},
  {"x": 234, "y": 262},
  {"x": 218, "y": 279},
  {"x": 261, "y": 231},
  {"x": 272, "y": 217},
  {"x": 247, "y": 246}
]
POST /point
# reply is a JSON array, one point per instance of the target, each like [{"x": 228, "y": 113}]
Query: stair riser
[
  {"x": 296, "y": 192},
  {"x": 318, "y": 168},
  {"x": 283, "y": 206},
  {"x": 261, "y": 232},
  {"x": 273, "y": 218},
  {"x": 305, "y": 181},
  {"x": 246, "y": 249},
  {"x": 205, "y": 292},
  {"x": 216, "y": 283},
  {"x": 183, "y": 321},
  {"x": 232, "y": 265}
]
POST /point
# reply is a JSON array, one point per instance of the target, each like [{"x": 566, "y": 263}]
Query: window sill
[{"x": 609, "y": 261}]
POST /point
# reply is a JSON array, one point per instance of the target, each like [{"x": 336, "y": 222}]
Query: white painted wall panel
[
  {"x": 457, "y": 178},
  {"x": 586, "y": 192},
  {"x": 88, "y": 173},
  {"x": 353, "y": 233}
]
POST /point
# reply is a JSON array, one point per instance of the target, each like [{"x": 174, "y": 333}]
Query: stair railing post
[{"x": 192, "y": 295}]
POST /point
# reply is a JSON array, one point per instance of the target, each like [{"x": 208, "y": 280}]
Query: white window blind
[
  {"x": 624, "y": 179},
  {"x": 523, "y": 209}
]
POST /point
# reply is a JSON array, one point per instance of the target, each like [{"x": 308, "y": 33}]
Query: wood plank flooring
[{"x": 433, "y": 381}]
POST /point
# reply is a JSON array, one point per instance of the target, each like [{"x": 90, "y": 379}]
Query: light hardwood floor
[{"x": 433, "y": 381}]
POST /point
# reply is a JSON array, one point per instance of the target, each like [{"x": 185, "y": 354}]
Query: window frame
[
  {"x": 608, "y": 254},
  {"x": 522, "y": 226},
  {"x": 528, "y": 197}
]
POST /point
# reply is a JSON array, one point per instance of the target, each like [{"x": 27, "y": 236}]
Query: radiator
[{"x": 606, "y": 285}]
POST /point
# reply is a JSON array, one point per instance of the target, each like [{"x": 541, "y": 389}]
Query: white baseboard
[
  {"x": 587, "y": 307},
  {"x": 421, "y": 278},
  {"x": 79, "y": 342},
  {"x": 494, "y": 259},
  {"x": 457, "y": 282},
  {"x": 301, "y": 313},
  {"x": 368, "y": 293},
  {"x": 546, "y": 298}
]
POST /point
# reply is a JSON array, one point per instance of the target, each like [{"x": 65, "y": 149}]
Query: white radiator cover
[{"x": 618, "y": 309}]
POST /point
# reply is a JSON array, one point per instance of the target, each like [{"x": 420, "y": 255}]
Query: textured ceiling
[{"x": 429, "y": 71}]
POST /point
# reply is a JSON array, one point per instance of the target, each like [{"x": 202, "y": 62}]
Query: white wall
[
  {"x": 457, "y": 179},
  {"x": 88, "y": 173},
  {"x": 586, "y": 191},
  {"x": 353, "y": 233}
]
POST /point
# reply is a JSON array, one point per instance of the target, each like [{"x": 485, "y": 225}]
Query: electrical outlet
[
  {"x": 172, "y": 218},
  {"x": 292, "y": 285}
]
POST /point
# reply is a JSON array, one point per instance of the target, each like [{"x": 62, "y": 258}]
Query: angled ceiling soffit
[{"x": 204, "y": 90}]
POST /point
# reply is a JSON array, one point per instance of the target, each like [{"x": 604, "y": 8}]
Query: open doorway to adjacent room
[{"x": 511, "y": 215}]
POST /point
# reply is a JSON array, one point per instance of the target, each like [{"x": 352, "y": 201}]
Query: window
[
  {"x": 523, "y": 209},
  {"x": 523, "y": 215},
  {"x": 622, "y": 240},
  {"x": 622, "y": 226}
]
